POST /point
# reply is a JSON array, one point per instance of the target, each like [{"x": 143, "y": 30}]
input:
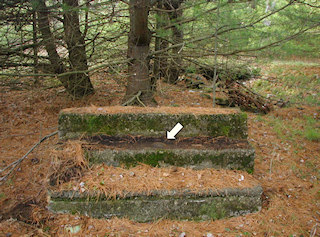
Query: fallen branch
[
  {"x": 269, "y": 101},
  {"x": 14, "y": 164},
  {"x": 138, "y": 99},
  {"x": 313, "y": 231},
  {"x": 132, "y": 99},
  {"x": 247, "y": 99}
]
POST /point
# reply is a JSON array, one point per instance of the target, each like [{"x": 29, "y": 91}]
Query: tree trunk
[
  {"x": 48, "y": 41},
  {"x": 139, "y": 86},
  {"x": 177, "y": 38},
  {"x": 79, "y": 83},
  {"x": 161, "y": 61},
  {"x": 35, "y": 47}
]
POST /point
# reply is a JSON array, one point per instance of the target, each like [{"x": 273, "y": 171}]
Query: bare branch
[{"x": 18, "y": 162}]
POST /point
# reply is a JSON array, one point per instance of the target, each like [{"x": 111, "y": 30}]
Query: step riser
[
  {"x": 72, "y": 125},
  {"x": 180, "y": 207},
  {"x": 239, "y": 159}
]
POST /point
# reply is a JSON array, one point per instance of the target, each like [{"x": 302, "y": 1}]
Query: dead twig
[
  {"x": 14, "y": 164},
  {"x": 138, "y": 99},
  {"x": 135, "y": 97},
  {"x": 270, "y": 166},
  {"x": 313, "y": 230}
]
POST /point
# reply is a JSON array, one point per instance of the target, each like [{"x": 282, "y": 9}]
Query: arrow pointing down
[{"x": 171, "y": 135}]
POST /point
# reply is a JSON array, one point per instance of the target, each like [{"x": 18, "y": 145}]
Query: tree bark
[
  {"x": 177, "y": 37},
  {"x": 48, "y": 41},
  {"x": 79, "y": 83},
  {"x": 35, "y": 47},
  {"x": 160, "y": 68},
  {"x": 139, "y": 83}
]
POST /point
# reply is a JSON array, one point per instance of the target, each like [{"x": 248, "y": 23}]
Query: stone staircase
[{"x": 212, "y": 142}]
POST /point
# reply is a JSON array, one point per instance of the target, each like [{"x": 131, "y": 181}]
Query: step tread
[
  {"x": 119, "y": 121},
  {"x": 157, "y": 193},
  {"x": 227, "y": 191},
  {"x": 148, "y": 110},
  {"x": 116, "y": 181}
]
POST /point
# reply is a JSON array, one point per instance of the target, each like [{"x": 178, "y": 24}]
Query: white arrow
[{"x": 171, "y": 135}]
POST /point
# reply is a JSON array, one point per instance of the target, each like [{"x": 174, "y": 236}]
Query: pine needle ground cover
[{"x": 288, "y": 173}]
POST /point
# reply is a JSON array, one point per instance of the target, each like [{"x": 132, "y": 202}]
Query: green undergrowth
[
  {"x": 294, "y": 83},
  {"x": 295, "y": 129}
]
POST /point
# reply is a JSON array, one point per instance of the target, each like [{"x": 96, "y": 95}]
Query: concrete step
[
  {"x": 227, "y": 194},
  {"x": 118, "y": 121},
  {"x": 192, "y": 152},
  {"x": 188, "y": 189}
]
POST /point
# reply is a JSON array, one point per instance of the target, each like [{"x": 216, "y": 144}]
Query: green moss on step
[
  {"x": 215, "y": 210},
  {"x": 241, "y": 159},
  {"x": 75, "y": 125},
  {"x": 150, "y": 208}
]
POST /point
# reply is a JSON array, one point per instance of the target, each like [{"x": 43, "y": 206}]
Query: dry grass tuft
[{"x": 68, "y": 163}]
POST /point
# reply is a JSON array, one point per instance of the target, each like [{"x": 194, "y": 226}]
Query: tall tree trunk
[
  {"x": 79, "y": 83},
  {"x": 177, "y": 38},
  {"x": 35, "y": 47},
  {"x": 48, "y": 41},
  {"x": 139, "y": 86},
  {"x": 160, "y": 61}
]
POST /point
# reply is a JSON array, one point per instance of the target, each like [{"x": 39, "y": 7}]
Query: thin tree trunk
[
  {"x": 177, "y": 38},
  {"x": 139, "y": 83},
  {"x": 79, "y": 83},
  {"x": 160, "y": 61},
  {"x": 35, "y": 47},
  {"x": 48, "y": 41}
]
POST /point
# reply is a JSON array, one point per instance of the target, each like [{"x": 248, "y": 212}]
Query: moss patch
[
  {"x": 178, "y": 205},
  {"x": 240, "y": 159},
  {"x": 72, "y": 125}
]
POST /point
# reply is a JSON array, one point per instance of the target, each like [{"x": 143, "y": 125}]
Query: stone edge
[{"x": 76, "y": 195}]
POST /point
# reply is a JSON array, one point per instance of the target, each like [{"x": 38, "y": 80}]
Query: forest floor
[{"x": 287, "y": 160}]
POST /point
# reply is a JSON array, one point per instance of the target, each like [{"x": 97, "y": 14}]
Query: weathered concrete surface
[
  {"x": 74, "y": 125},
  {"x": 240, "y": 159},
  {"x": 142, "y": 207}
]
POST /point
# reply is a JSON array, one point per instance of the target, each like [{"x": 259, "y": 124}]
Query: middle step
[{"x": 193, "y": 152}]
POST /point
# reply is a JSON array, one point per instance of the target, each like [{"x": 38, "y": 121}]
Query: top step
[{"x": 147, "y": 121}]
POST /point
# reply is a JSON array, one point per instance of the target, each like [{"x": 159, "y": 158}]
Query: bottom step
[
  {"x": 142, "y": 207},
  {"x": 145, "y": 193}
]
